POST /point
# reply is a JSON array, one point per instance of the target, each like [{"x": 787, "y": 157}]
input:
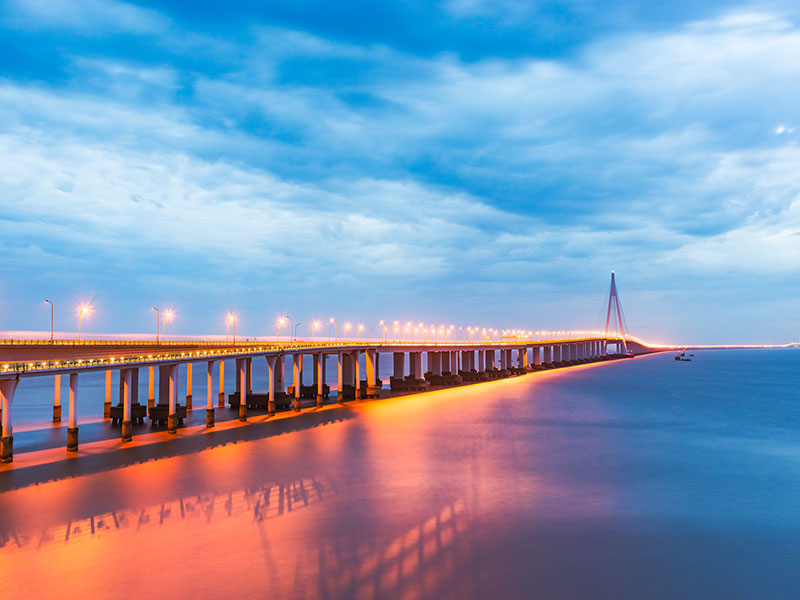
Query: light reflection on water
[{"x": 640, "y": 479}]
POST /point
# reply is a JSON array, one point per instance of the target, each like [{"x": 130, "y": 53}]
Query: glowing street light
[
  {"x": 314, "y": 326},
  {"x": 279, "y": 322},
  {"x": 231, "y": 319},
  {"x": 295, "y": 331},
  {"x": 51, "y": 319},
  {"x": 346, "y": 328},
  {"x": 383, "y": 324},
  {"x": 158, "y": 315},
  {"x": 335, "y": 330},
  {"x": 83, "y": 310},
  {"x": 359, "y": 329},
  {"x": 168, "y": 315}
]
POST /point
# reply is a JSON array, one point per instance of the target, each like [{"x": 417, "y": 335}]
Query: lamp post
[
  {"x": 291, "y": 326},
  {"x": 158, "y": 316},
  {"x": 335, "y": 330},
  {"x": 295, "y": 331},
  {"x": 346, "y": 329},
  {"x": 83, "y": 310},
  {"x": 371, "y": 329},
  {"x": 358, "y": 331},
  {"x": 278, "y": 324},
  {"x": 51, "y": 319}
]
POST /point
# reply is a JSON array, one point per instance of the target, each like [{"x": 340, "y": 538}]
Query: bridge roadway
[{"x": 447, "y": 364}]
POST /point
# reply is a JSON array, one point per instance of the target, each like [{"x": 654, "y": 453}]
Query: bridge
[{"x": 416, "y": 367}]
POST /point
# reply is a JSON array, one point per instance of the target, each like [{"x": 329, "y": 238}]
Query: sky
[{"x": 467, "y": 162}]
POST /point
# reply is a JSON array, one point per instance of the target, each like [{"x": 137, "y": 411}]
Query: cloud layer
[{"x": 274, "y": 169}]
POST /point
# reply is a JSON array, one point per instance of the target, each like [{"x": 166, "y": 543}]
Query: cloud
[
  {"x": 362, "y": 165},
  {"x": 92, "y": 17}
]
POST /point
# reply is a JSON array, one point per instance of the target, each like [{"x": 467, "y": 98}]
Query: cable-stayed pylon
[{"x": 614, "y": 307}]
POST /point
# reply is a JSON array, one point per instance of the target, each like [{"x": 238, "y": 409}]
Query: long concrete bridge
[{"x": 446, "y": 364}]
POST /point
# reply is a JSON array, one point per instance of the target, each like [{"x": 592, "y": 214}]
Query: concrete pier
[
  {"x": 7, "y": 389},
  {"x": 107, "y": 404},
  {"x": 126, "y": 376},
  {"x": 210, "y": 394},
  {"x": 172, "y": 416},
  {"x": 221, "y": 384},
  {"x": 57, "y": 399},
  {"x": 151, "y": 377},
  {"x": 188, "y": 386},
  {"x": 72, "y": 424},
  {"x": 243, "y": 383}
]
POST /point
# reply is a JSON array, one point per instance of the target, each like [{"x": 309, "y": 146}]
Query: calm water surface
[{"x": 644, "y": 478}]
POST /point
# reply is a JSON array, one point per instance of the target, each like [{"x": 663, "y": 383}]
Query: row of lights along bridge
[{"x": 399, "y": 332}]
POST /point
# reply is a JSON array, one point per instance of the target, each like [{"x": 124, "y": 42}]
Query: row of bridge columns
[{"x": 348, "y": 374}]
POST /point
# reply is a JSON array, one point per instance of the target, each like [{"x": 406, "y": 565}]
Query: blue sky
[{"x": 466, "y": 162}]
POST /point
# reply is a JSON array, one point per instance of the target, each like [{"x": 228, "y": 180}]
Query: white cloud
[{"x": 93, "y": 17}]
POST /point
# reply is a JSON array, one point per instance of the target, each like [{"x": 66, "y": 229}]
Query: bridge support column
[
  {"x": 371, "y": 364},
  {"x": 57, "y": 399},
  {"x": 7, "y": 389},
  {"x": 340, "y": 369},
  {"x": 151, "y": 376},
  {"x": 221, "y": 402},
  {"x": 537, "y": 357},
  {"x": 189, "y": 386},
  {"x": 444, "y": 363},
  {"x": 319, "y": 377},
  {"x": 416, "y": 365},
  {"x": 172, "y": 414},
  {"x": 126, "y": 376},
  {"x": 107, "y": 403},
  {"x": 357, "y": 374},
  {"x": 398, "y": 366},
  {"x": 210, "y": 420},
  {"x": 72, "y": 417},
  {"x": 481, "y": 360},
  {"x": 435, "y": 363},
  {"x": 297, "y": 378},
  {"x": 241, "y": 379},
  {"x": 271, "y": 362}
]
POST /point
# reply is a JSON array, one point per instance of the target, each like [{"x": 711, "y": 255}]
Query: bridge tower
[{"x": 615, "y": 309}]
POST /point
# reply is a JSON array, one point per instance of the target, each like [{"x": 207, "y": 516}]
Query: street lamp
[
  {"x": 335, "y": 330},
  {"x": 158, "y": 316},
  {"x": 83, "y": 310},
  {"x": 279, "y": 322},
  {"x": 295, "y": 332},
  {"x": 291, "y": 326},
  {"x": 314, "y": 326},
  {"x": 358, "y": 331},
  {"x": 168, "y": 314},
  {"x": 51, "y": 319},
  {"x": 346, "y": 329},
  {"x": 228, "y": 321},
  {"x": 231, "y": 319}
]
